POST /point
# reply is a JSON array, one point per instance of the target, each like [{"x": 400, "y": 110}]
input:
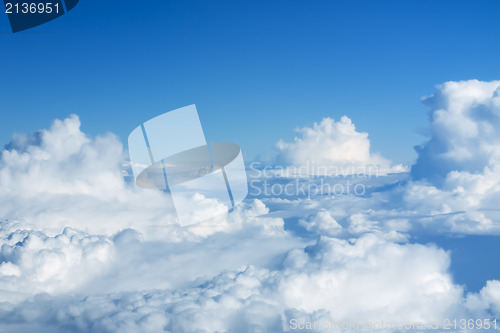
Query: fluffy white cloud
[
  {"x": 459, "y": 166},
  {"x": 61, "y": 178},
  {"x": 329, "y": 146},
  {"x": 464, "y": 127},
  {"x": 320, "y": 222},
  {"x": 70, "y": 222},
  {"x": 82, "y": 250},
  {"x": 73, "y": 261},
  {"x": 32, "y": 262},
  {"x": 369, "y": 278},
  {"x": 487, "y": 301}
]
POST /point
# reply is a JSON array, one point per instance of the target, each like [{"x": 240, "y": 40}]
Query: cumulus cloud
[
  {"x": 464, "y": 127},
  {"x": 60, "y": 177},
  {"x": 369, "y": 278},
  {"x": 330, "y": 144},
  {"x": 83, "y": 250},
  {"x": 73, "y": 261},
  {"x": 32, "y": 262},
  {"x": 69, "y": 221},
  {"x": 457, "y": 170},
  {"x": 487, "y": 301},
  {"x": 322, "y": 221}
]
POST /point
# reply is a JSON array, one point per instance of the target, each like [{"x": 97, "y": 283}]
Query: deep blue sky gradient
[{"x": 255, "y": 69}]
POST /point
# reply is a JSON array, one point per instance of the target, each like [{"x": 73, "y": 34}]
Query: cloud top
[
  {"x": 331, "y": 143},
  {"x": 464, "y": 127}
]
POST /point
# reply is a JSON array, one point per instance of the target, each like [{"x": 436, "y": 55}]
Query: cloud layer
[
  {"x": 369, "y": 278},
  {"x": 83, "y": 250}
]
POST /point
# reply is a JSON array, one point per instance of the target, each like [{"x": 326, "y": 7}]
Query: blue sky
[{"x": 256, "y": 70}]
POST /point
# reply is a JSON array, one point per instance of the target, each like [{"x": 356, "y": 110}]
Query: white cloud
[
  {"x": 70, "y": 222},
  {"x": 369, "y": 278},
  {"x": 464, "y": 126},
  {"x": 459, "y": 166},
  {"x": 61, "y": 178},
  {"x": 487, "y": 301},
  {"x": 330, "y": 144},
  {"x": 321, "y": 222},
  {"x": 125, "y": 265},
  {"x": 32, "y": 262}
]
